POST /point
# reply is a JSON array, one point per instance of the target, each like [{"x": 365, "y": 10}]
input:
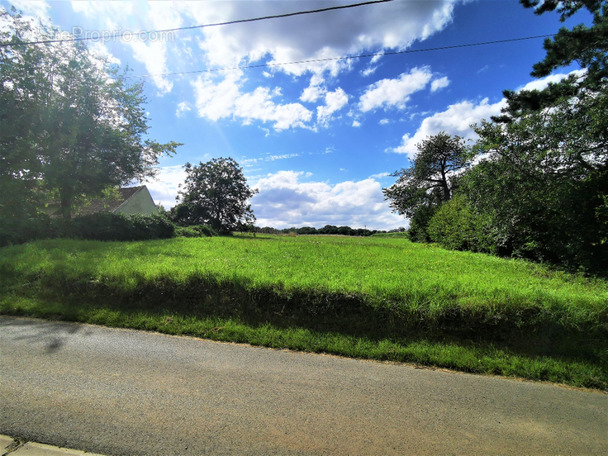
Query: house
[{"x": 126, "y": 201}]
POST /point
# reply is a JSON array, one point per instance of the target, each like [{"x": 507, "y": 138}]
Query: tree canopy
[
  {"x": 70, "y": 124},
  {"x": 430, "y": 181},
  {"x": 215, "y": 193},
  {"x": 545, "y": 182},
  {"x": 541, "y": 189},
  {"x": 588, "y": 46}
]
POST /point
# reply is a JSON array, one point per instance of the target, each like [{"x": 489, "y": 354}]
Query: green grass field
[{"x": 378, "y": 297}]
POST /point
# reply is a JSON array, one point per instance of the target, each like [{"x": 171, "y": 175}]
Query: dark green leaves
[
  {"x": 430, "y": 181},
  {"x": 69, "y": 124},
  {"x": 215, "y": 193}
]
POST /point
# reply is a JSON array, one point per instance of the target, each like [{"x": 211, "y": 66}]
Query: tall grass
[{"x": 376, "y": 290}]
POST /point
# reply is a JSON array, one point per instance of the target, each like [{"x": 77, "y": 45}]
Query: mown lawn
[{"x": 377, "y": 297}]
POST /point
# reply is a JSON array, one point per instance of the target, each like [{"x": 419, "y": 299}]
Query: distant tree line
[
  {"x": 326, "y": 230},
  {"x": 535, "y": 185}
]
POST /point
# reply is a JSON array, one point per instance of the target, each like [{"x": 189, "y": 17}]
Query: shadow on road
[{"x": 51, "y": 335}]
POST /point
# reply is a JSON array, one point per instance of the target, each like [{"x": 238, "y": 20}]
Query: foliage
[
  {"x": 566, "y": 9},
  {"x": 543, "y": 179},
  {"x": 215, "y": 193},
  {"x": 20, "y": 166},
  {"x": 419, "y": 223},
  {"x": 367, "y": 289},
  {"x": 194, "y": 231},
  {"x": 16, "y": 230},
  {"x": 105, "y": 226},
  {"x": 546, "y": 180},
  {"x": 456, "y": 226},
  {"x": 331, "y": 230},
  {"x": 101, "y": 226},
  {"x": 70, "y": 123},
  {"x": 588, "y": 46},
  {"x": 429, "y": 182}
]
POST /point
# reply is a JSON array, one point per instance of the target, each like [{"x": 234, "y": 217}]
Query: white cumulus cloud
[
  {"x": 331, "y": 34},
  {"x": 318, "y": 41},
  {"x": 308, "y": 38},
  {"x": 38, "y": 8},
  {"x": 290, "y": 198},
  {"x": 285, "y": 201},
  {"x": 440, "y": 83},
  {"x": 224, "y": 99},
  {"x": 182, "y": 108},
  {"x": 334, "y": 101},
  {"x": 314, "y": 90},
  {"x": 154, "y": 56},
  {"x": 456, "y": 120},
  {"x": 389, "y": 93},
  {"x": 166, "y": 185},
  {"x": 540, "y": 84}
]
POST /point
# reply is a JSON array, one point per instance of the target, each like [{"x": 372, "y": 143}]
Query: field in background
[{"x": 376, "y": 297}]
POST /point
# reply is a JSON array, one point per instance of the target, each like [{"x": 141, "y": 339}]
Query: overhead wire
[
  {"x": 122, "y": 34},
  {"x": 272, "y": 64},
  {"x": 348, "y": 57}
]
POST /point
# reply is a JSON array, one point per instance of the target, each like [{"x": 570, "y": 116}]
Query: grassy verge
[{"x": 376, "y": 298}]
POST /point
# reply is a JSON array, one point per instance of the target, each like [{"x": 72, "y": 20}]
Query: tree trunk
[{"x": 445, "y": 187}]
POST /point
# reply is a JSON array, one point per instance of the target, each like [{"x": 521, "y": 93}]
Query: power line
[
  {"x": 349, "y": 57},
  {"x": 193, "y": 27}
]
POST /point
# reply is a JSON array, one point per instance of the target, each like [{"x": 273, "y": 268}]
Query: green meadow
[{"x": 377, "y": 297}]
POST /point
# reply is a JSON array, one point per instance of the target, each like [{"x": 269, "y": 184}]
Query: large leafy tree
[
  {"x": 22, "y": 92},
  {"x": 70, "y": 124},
  {"x": 545, "y": 182},
  {"x": 429, "y": 182},
  {"x": 215, "y": 193}
]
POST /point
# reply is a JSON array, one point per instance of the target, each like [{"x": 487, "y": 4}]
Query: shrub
[
  {"x": 195, "y": 231},
  {"x": 419, "y": 224},
  {"x": 456, "y": 226},
  {"x": 105, "y": 226},
  {"x": 205, "y": 230},
  {"x": 152, "y": 227},
  {"x": 186, "y": 231},
  {"x": 19, "y": 230}
]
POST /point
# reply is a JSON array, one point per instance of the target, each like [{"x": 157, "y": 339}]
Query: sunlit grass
[{"x": 377, "y": 297}]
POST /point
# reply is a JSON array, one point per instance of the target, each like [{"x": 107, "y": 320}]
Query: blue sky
[{"x": 318, "y": 139}]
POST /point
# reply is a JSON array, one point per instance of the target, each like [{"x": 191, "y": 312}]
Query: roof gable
[
  {"x": 120, "y": 198},
  {"x": 109, "y": 204}
]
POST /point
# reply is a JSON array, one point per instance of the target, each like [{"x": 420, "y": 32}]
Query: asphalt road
[{"x": 127, "y": 392}]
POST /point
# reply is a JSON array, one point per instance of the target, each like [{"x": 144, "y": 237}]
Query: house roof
[{"x": 109, "y": 204}]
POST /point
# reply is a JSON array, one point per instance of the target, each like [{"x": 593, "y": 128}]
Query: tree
[
  {"x": 429, "y": 182},
  {"x": 74, "y": 125},
  {"x": 215, "y": 193},
  {"x": 21, "y": 94},
  {"x": 546, "y": 180},
  {"x": 586, "y": 45}
]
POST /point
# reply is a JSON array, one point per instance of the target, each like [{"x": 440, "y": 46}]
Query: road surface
[{"x": 123, "y": 392}]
